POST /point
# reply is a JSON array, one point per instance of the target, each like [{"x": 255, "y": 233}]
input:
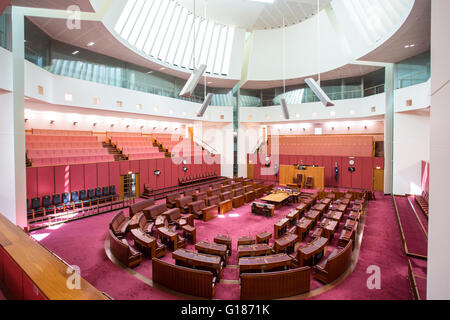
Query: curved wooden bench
[
  {"x": 331, "y": 267},
  {"x": 182, "y": 279},
  {"x": 274, "y": 285}
]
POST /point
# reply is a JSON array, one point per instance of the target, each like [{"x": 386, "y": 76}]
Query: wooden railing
[{"x": 28, "y": 271}]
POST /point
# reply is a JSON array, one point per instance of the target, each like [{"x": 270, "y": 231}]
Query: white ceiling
[{"x": 252, "y": 15}]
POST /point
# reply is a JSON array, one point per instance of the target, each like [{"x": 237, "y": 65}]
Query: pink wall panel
[
  {"x": 124, "y": 167},
  {"x": 327, "y": 163},
  {"x": 160, "y": 179},
  {"x": 151, "y": 176},
  {"x": 168, "y": 172},
  {"x": 45, "y": 181},
  {"x": 367, "y": 173},
  {"x": 334, "y": 161},
  {"x": 174, "y": 168},
  {"x": 318, "y": 161},
  {"x": 90, "y": 176},
  {"x": 346, "y": 178},
  {"x": 301, "y": 159},
  {"x": 62, "y": 179},
  {"x": 309, "y": 160},
  {"x": 102, "y": 174},
  {"x": 283, "y": 159},
  {"x": 114, "y": 175},
  {"x": 13, "y": 278},
  {"x": 134, "y": 166},
  {"x": 31, "y": 183},
  {"x": 357, "y": 175},
  {"x": 143, "y": 173},
  {"x": 378, "y": 162},
  {"x": 77, "y": 177},
  {"x": 30, "y": 291}
]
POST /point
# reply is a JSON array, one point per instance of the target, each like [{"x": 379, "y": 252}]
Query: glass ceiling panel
[{"x": 164, "y": 29}]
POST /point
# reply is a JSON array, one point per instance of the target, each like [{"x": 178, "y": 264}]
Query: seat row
[
  {"x": 41, "y": 162},
  {"x": 55, "y": 138},
  {"x": 47, "y": 153},
  {"x": 37, "y": 207},
  {"x": 197, "y": 178},
  {"x": 62, "y": 145}
]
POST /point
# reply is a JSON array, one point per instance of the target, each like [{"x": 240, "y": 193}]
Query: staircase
[{"x": 112, "y": 150}]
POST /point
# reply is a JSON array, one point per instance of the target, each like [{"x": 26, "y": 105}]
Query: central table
[
  {"x": 265, "y": 263},
  {"x": 277, "y": 199},
  {"x": 259, "y": 249},
  {"x": 214, "y": 249}
]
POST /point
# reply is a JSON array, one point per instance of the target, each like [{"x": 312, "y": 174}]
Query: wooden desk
[
  {"x": 196, "y": 260},
  {"x": 319, "y": 207},
  {"x": 314, "y": 248},
  {"x": 225, "y": 206},
  {"x": 338, "y": 207},
  {"x": 215, "y": 249},
  {"x": 350, "y": 224},
  {"x": 325, "y": 201},
  {"x": 303, "y": 226},
  {"x": 259, "y": 249},
  {"x": 288, "y": 172},
  {"x": 265, "y": 263},
  {"x": 190, "y": 231},
  {"x": 144, "y": 242},
  {"x": 169, "y": 235},
  {"x": 354, "y": 215},
  {"x": 313, "y": 215},
  {"x": 302, "y": 207},
  {"x": 286, "y": 243},
  {"x": 280, "y": 227},
  {"x": 293, "y": 217},
  {"x": 263, "y": 237},
  {"x": 42, "y": 275},
  {"x": 329, "y": 227},
  {"x": 277, "y": 199},
  {"x": 226, "y": 240},
  {"x": 335, "y": 215},
  {"x": 161, "y": 221},
  {"x": 264, "y": 209},
  {"x": 346, "y": 236},
  {"x": 245, "y": 240}
]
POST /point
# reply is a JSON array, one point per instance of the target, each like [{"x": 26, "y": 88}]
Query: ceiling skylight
[{"x": 163, "y": 29}]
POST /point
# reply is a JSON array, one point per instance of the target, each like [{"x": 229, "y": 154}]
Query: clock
[{"x": 351, "y": 162}]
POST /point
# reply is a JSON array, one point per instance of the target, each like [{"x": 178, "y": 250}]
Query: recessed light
[
  {"x": 297, "y": 115},
  {"x": 150, "y": 72},
  {"x": 314, "y": 114},
  {"x": 162, "y": 68},
  {"x": 332, "y": 113},
  {"x": 75, "y": 52},
  {"x": 155, "y": 109},
  {"x": 90, "y": 44},
  {"x": 170, "y": 111},
  {"x": 352, "y": 111}
]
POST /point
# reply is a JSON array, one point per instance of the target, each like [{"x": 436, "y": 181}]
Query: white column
[
  {"x": 389, "y": 127},
  {"x": 438, "y": 279}
]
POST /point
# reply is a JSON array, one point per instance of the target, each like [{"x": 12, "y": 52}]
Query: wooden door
[
  {"x": 250, "y": 168},
  {"x": 378, "y": 179},
  {"x": 138, "y": 185}
]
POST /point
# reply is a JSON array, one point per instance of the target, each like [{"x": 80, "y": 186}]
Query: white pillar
[
  {"x": 389, "y": 127},
  {"x": 438, "y": 279}
]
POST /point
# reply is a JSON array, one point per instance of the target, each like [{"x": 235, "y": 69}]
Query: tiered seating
[
  {"x": 47, "y": 148},
  {"x": 166, "y": 141},
  {"x": 135, "y": 147},
  {"x": 197, "y": 178},
  {"x": 422, "y": 201}
]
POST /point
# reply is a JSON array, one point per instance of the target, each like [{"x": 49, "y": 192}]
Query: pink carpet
[
  {"x": 82, "y": 243},
  {"x": 415, "y": 239}
]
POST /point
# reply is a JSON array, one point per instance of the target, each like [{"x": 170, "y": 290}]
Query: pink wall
[
  {"x": 58, "y": 179},
  {"x": 362, "y": 178}
]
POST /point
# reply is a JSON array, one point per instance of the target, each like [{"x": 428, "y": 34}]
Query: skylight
[{"x": 164, "y": 30}]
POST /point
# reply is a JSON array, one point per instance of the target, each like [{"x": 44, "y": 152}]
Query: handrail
[
  {"x": 203, "y": 144},
  {"x": 258, "y": 144}
]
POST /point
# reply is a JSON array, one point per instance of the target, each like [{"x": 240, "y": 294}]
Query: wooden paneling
[
  {"x": 274, "y": 285},
  {"x": 287, "y": 173},
  {"x": 27, "y": 264},
  {"x": 250, "y": 170},
  {"x": 378, "y": 179}
]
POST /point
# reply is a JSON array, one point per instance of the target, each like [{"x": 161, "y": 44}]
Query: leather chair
[
  {"x": 331, "y": 267},
  {"x": 214, "y": 192},
  {"x": 76, "y": 199},
  {"x": 238, "y": 197},
  {"x": 189, "y": 192},
  {"x": 183, "y": 204},
  {"x": 309, "y": 183},
  {"x": 123, "y": 252},
  {"x": 140, "y": 206},
  {"x": 249, "y": 193},
  {"x": 145, "y": 225},
  {"x": 298, "y": 180},
  {"x": 226, "y": 188},
  {"x": 200, "y": 196},
  {"x": 66, "y": 201},
  {"x": 196, "y": 208},
  {"x": 154, "y": 211},
  {"x": 171, "y": 199},
  {"x": 176, "y": 218},
  {"x": 119, "y": 224}
]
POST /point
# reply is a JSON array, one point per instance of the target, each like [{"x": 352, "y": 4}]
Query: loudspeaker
[
  {"x": 351, "y": 169},
  {"x": 284, "y": 108},
  {"x": 319, "y": 92},
  {"x": 205, "y": 104},
  {"x": 192, "y": 82}
]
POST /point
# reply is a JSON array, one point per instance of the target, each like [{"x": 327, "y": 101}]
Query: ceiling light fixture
[
  {"x": 75, "y": 52},
  {"x": 90, "y": 44}
]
